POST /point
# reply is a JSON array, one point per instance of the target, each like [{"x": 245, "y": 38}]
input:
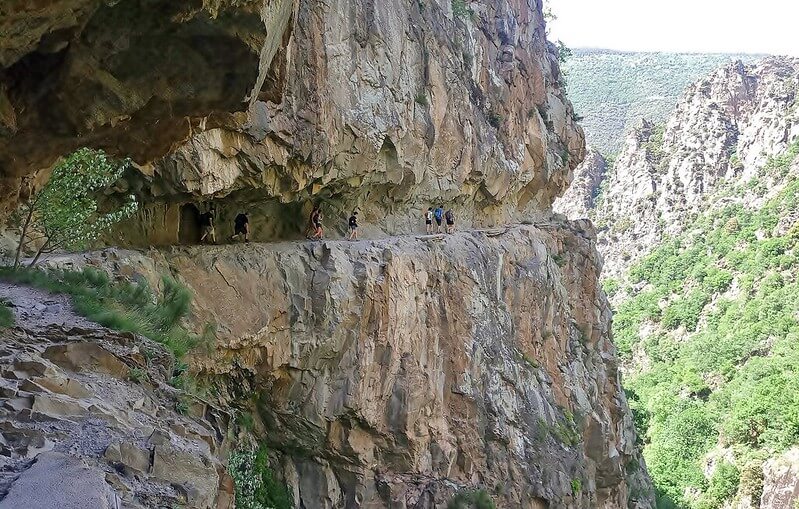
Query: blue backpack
[{"x": 439, "y": 212}]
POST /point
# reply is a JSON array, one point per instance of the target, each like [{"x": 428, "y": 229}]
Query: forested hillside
[
  {"x": 708, "y": 327},
  {"x": 613, "y": 90}
]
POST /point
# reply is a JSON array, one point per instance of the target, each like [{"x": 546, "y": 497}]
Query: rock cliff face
[
  {"x": 393, "y": 373},
  {"x": 580, "y": 198},
  {"x": 724, "y": 130},
  {"x": 388, "y": 107},
  {"x": 387, "y": 373},
  {"x": 87, "y": 418}
]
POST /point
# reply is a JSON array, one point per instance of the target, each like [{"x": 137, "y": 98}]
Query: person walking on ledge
[
  {"x": 316, "y": 222},
  {"x": 439, "y": 215},
  {"x": 450, "y": 218},
  {"x": 207, "y": 226},
  {"x": 310, "y": 229},
  {"x": 428, "y": 220},
  {"x": 354, "y": 226},
  {"x": 241, "y": 227}
]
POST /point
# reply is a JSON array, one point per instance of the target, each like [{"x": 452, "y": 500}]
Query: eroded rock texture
[
  {"x": 388, "y": 106},
  {"x": 580, "y": 198},
  {"x": 393, "y": 373},
  {"x": 722, "y": 132},
  {"x": 87, "y": 419},
  {"x": 133, "y": 77}
]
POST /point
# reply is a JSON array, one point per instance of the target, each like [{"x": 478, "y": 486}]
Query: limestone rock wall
[
  {"x": 580, "y": 198},
  {"x": 394, "y": 373},
  {"x": 388, "y": 106},
  {"x": 722, "y": 132}
]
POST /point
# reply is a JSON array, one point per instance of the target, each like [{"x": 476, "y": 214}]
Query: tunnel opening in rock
[{"x": 189, "y": 226}]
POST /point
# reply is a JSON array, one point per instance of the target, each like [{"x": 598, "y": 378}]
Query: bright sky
[{"x": 697, "y": 26}]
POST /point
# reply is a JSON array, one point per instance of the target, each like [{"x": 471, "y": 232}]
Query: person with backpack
[
  {"x": 241, "y": 227},
  {"x": 450, "y": 219},
  {"x": 207, "y": 226},
  {"x": 439, "y": 215},
  {"x": 353, "y": 226},
  {"x": 428, "y": 220}
]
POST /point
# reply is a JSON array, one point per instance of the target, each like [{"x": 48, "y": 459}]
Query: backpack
[
  {"x": 428, "y": 215},
  {"x": 450, "y": 216},
  {"x": 439, "y": 212}
]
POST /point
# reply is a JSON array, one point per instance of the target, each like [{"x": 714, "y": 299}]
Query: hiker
[
  {"x": 354, "y": 226},
  {"x": 450, "y": 218},
  {"x": 428, "y": 220},
  {"x": 241, "y": 227},
  {"x": 207, "y": 226},
  {"x": 310, "y": 229},
  {"x": 439, "y": 214},
  {"x": 316, "y": 220}
]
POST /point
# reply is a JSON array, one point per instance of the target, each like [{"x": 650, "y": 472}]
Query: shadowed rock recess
[{"x": 386, "y": 373}]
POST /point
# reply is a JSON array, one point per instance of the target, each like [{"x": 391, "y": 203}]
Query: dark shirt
[
  {"x": 241, "y": 220},
  {"x": 353, "y": 222},
  {"x": 206, "y": 219}
]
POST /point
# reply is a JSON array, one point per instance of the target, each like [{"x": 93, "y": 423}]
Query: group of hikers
[
  {"x": 314, "y": 230},
  {"x": 439, "y": 215},
  {"x": 241, "y": 227}
]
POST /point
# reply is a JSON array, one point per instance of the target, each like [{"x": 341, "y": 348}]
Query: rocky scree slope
[
  {"x": 396, "y": 373},
  {"x": 723, "y": 131},
  {"x": 87, "y": 418}
]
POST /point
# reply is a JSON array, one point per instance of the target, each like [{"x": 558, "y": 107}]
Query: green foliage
[
  {"x": 714, "y": 311},
  {"x": 611, "y": 286},
  {"x": 421, "y": 99},
  {"x": 121, "y": 305},
  {"x": 495, "y": 119},
  {"x": 686, "y": 311},
  {"x": 66, "y": 212},
  {"x": 471, "y": 499},
  {"x": 723, "y": 486},
  {"x": 614, "y": 90},
  {"x": 577, "y": 486},
  {"x": 138, "y": 375},
  {"x": 256, "y": 485},
  {"x": 6, "y": 315},
  {"x": 461, "y": 9}
]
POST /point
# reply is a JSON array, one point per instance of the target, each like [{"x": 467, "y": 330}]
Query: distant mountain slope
[{"x": 613, "y": 90}]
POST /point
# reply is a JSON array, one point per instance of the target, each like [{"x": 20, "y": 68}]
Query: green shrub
[
  {"x": 421, "y": 99},
  {"x": 130, "y": 307},
  {"x": 461, "y": 9},
  {"x": 6, "y": 315},
  {"x": 685, "y": 311},
  {"x": 471, "y": 499},
  {"x": 723, "y": 484},
  {"x": 495, "y": 119},
  {"x": 256, "y": 485},
  {"x": 577, "y": 486}
]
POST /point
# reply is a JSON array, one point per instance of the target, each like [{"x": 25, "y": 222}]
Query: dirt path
[{"x": 37, "y": 310}]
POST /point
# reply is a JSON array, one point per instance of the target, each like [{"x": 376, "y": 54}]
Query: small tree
[{"x": 64, "y": 213}]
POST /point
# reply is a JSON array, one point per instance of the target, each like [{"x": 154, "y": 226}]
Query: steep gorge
[{"x": 395, "y": 372}]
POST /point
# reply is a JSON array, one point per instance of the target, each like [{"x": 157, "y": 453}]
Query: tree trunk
[
  {"x": 22, "y": 236},
  {"x": 39, "y": 253}
]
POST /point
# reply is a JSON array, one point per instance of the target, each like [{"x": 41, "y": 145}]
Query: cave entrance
[{"x": 189, "y": 227}]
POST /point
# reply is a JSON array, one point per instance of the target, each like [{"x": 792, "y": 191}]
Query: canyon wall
[
  {"x": 724, "y": 130},
  {"x": 386, "y": 373},
  {"x": 394, "y": 373}
]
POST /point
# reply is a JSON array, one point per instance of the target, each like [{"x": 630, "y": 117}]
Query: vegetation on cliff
[
  {"x": 708, "y": 324},
  {"x": 65, "y": 213}
]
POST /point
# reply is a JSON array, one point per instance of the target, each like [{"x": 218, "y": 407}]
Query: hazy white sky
[{"x": 724, "y": 26}]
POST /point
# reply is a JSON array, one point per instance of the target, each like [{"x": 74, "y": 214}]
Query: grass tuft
[{"x": 121, "y": 305}]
